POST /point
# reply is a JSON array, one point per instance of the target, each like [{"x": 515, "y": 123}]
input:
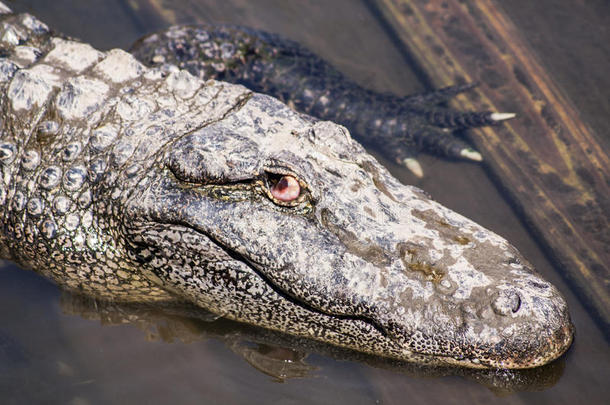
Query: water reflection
[{"x": 281, "y": 356}]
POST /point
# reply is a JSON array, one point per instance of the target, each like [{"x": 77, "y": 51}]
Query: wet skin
[{"x": 151, "y": 185}]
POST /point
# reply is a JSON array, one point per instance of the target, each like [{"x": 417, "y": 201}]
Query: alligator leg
[{"x": 400, "y": 127}]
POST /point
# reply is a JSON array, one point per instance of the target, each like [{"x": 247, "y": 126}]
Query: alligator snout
[{"x": 503, "y": 322}]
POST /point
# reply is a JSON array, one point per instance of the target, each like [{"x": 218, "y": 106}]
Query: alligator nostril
[{"x": 506, "y": 302}]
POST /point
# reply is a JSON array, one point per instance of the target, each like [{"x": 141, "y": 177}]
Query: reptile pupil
[{"x": 286, "y": 189}]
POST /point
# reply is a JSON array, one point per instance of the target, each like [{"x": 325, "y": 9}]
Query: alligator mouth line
[{"x": 252, "y": 265}]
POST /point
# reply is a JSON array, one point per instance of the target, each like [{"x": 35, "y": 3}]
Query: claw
[
  {"x": 502, "y": 116},
  {"x": 471, "y": 154},
  {"x": 414, "y": 167}
]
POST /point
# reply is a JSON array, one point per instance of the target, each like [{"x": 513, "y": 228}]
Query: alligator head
[{"x": 271, "y": 218}]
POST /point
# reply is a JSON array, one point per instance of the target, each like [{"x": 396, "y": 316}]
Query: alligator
[{"x": 150, "y": 185}]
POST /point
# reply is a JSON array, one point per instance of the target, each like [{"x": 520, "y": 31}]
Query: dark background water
[{"x": 49, "y": 355}]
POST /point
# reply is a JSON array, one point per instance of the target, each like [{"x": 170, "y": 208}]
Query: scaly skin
[
  {"x": 150, "y": 185},
  {"x": 398, "y": 126}
]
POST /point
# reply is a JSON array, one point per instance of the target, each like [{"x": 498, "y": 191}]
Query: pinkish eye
[{"x": 286, "y": 189}]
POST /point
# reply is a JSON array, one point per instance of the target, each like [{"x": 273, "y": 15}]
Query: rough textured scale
[{"x": 139, "y": 184}]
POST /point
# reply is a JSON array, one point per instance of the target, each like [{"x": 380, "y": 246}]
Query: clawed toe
[
  {"x": 414, "y": 167},
  {"x": 469, "y": 153},
  {"x": 502, "y": 116}
]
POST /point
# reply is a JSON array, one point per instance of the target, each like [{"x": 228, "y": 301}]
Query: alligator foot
[{"x": 432, "y": 128}]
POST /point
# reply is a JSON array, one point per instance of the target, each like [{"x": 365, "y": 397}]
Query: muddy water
[{"x": 55, "y": 349}]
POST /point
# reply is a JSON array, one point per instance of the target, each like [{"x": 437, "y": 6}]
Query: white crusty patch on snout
[{"x": 466, "y": 277}]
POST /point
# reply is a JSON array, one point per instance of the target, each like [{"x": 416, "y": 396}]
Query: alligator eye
[{"x": 286, "y": 189}]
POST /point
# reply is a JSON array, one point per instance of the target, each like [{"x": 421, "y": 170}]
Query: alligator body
[{"x": 150, "y": 185}]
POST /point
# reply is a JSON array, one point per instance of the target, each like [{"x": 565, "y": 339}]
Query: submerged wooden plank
[{"x": 548, "y": 160}]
